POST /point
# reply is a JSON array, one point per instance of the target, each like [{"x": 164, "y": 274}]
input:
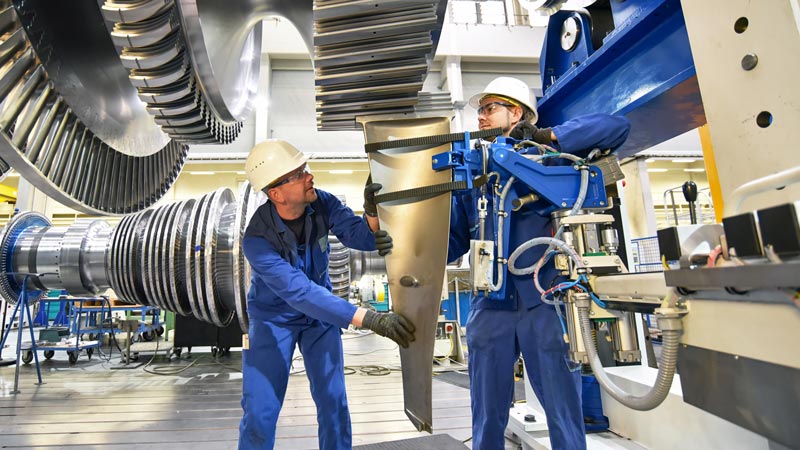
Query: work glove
[
  {"x": 391, "y": 325},
  {"x": 383, "y": 242},
  {"x": 528, "y": 131},
  {"x": 370, "y": 188}
]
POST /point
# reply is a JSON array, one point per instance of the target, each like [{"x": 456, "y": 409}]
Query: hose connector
[
  {"x": 581, "y": 299},
  {"x": 670, "y": 319},
  {"x": 518, "y": 203}
]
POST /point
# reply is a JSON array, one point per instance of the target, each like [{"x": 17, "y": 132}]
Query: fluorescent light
[
  {"x": 657, "y": 170},
  {"x": 694, "y": 170},
  {"x": 241, "y": 172},
  {"x": 650, "y": 160},
  {"x": 683, "y": 160},
  {"x": 14, "y": 174},
  {"x": 341, "y": 172},
  {"x": 201, "y": 173}
]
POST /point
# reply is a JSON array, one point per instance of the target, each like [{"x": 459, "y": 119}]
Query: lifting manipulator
[
  {"x": 510, "y": 176},
  {"x": 522, "y": 180}
]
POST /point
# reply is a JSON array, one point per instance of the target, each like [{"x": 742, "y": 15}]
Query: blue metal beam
[{"x": 644, "y": 70}]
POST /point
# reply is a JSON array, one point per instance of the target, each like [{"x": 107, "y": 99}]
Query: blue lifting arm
[{"x": 556, "y": 186}]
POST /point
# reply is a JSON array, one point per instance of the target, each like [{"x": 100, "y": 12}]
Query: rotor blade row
[
  {"x": 371, "y": 57},
  {"x": 151, "y": 44},
  {"x": 339, "y": 267},
  {"x": 179, "y": 257},
  {"x": 186, "y": 257},
  {"x": 44, "y": 140}
]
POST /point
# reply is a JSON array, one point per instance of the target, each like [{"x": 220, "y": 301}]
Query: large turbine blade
[{"x": 418, "y": 224}]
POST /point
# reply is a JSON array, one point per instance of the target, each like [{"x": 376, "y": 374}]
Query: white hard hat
[
  {"x": 270, "y": 160},
  {"x": 510, "y": 88}
]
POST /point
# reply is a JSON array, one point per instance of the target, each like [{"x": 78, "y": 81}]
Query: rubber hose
[{"x": 666, "y": 370}]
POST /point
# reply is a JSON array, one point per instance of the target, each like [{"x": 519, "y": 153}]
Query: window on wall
[{"x": 491, "y": 12}]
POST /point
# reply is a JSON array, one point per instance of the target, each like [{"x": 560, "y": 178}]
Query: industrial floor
[{"x": 194, "y": 403}]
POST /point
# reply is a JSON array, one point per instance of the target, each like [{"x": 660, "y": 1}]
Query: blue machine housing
[
  {"x": 557, "y": 187},
  {"x": 643, "y": 70}
]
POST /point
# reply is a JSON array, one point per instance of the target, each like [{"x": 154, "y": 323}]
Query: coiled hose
[{"x": 666, "y": 370}]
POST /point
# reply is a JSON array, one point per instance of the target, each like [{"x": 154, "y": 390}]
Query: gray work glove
[
  {"x": 529, "y": 131},
  {"x": 370, "y": 188},
  {"x": 383, "y": 242},
  {"x": 391, "y": 325}
]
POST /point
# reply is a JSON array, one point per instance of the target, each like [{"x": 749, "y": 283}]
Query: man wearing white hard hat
[
  {"x": 290, "y": 303},
  {"x": 499, "y": 330}
]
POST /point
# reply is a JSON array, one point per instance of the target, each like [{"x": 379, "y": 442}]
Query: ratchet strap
[
  {"x": 425, "y": 191},
  {"x": 429, "y": 141}
]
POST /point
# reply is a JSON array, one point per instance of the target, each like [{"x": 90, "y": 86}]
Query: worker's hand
[
  {"x": 383, "y": 242},
  {"x": 370, "y": 188},
  {"x": 528, "y": 131},
  {"x": 391, "y": 325}
]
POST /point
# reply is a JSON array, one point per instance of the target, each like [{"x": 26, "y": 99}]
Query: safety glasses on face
[
  {"x": 491, "y": 107},
  {"x": 294, "y": 176}
]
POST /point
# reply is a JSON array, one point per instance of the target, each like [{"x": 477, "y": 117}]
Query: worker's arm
[
  {"x": 353, "y": 231},
  {"x": 298, "y": 291},
  {"x": 293, "y": 286},
  {"x": 583, "y": 134}
]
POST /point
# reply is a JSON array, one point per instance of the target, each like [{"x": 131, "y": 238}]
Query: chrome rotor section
[
  {"x": 371, "y": 57},
  {"x": 184, "y": 257},
  {"x": 180, "y": 258},
  {"x": 50, "y": 144},
  {"x": 11, "y": 284}
]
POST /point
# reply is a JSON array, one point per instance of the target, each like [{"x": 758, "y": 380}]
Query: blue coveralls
[
  {"x": 289, "y": 304},
  {"x": 498, "y": 330}
]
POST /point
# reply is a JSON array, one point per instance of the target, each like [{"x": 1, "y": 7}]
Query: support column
[
  {"x": 452, "y": 72},
  {"x": 262, "y": 100},
  {"x": 29, "y": 198}
]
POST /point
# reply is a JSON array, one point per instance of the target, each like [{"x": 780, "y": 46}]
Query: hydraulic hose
[
  {"x": 541, "y": 241},
  {"x": 670, "y": 324},
  {"x": 501, "y": 214},
  {"x": 532, "y": 268}
]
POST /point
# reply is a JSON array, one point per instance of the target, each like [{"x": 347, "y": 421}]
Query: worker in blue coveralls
[
  {"x": 290, "y": 303},
  {"x": 498, "y": 330}
]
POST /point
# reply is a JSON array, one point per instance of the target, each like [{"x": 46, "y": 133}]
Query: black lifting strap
[
  {"x": 429, "y": 141},
  {"x": 425, "y": 191},
  {"x": 426, "y": 141}
]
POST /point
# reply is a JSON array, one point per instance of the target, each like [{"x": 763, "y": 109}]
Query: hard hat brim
[{"x": 300, "y": 162}]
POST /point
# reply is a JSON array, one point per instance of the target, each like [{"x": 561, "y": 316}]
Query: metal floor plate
[{"x": 435, "y": 442}]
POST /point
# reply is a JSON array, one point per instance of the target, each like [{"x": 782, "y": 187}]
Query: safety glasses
[
  {"x": 294, "y": 176},
  {"x": 490, "y": 108}
]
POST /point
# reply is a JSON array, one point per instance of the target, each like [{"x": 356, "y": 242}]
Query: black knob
[{"x": 690, "y": 191}]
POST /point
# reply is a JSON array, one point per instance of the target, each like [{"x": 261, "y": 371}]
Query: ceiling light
[
  {"x": 650, "y": 160},
  {"x": 683, "y": 160},
  {"x": 341, "y": 172},
  {"x": 13, "y": 174},
  {"x": 201, "y": 173},
  {"x": 694, "y": 170},
  {"x": 657, "y": 170},
  {"x": 241, "y": 172}
]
